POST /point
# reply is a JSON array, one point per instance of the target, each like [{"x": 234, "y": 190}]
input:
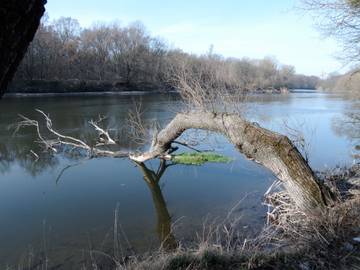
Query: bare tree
[
  {"x": 272, "y": 150},
  {"x": 128, "y": 55},
  {"x": 67, "y": 29},
  {"x": 96, "y": 47},
  {"x": 339, "y": 19}
]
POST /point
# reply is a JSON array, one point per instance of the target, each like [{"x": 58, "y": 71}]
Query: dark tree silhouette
[{"x": 19, "y": 21}]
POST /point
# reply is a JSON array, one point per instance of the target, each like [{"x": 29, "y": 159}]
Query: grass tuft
[{"x": 200, "y": 158}]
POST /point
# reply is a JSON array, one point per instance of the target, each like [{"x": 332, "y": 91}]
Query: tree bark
[
  {"x": 274, "y": 151},
  {"x": 19, "y": 21}
]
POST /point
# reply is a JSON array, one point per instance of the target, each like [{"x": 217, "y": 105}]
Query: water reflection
[
  {"x": 11, "y": 153},
  {"x": 163, "y": 226},
  {"x": 348, "y": 125}
]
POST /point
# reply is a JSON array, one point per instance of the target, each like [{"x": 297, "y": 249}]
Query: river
[{"x": 68, "y": 215}]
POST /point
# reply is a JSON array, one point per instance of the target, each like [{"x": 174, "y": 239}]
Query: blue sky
[{"x": 236, "y": 28}]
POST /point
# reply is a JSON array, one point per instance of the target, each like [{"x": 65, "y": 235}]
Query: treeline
[
  {"x": 130, "y": 56},
  {"x": 348, "y": 82}
]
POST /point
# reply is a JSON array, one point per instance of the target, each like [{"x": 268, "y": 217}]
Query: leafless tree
[
  {"x": 129, "y": 55},
  {"x": 272, "y": 150},
  {"x": 339, "y": 19}
]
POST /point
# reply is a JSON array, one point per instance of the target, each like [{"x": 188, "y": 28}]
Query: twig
[
  {"x": 188, "y": 146},
  {"x": 64, "y": 169}
]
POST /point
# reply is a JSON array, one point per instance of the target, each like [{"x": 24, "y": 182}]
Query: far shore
[
  {"x": 104, "y": 93},
  {"x": 116, "y": 93},
  {"x": 52, "y": 88}
]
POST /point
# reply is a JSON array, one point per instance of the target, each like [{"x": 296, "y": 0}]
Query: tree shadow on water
[{"x": 152, "y": 179}]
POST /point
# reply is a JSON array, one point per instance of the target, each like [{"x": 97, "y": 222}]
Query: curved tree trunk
[
  {"x": 19, "y": 21},
  {"x": 274, "y": 151}
]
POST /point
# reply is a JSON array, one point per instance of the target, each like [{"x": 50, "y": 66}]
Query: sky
[{"x": 236, "y": 28}]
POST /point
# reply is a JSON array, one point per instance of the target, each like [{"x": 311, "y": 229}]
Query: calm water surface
[{"x": 76, "y": 212}]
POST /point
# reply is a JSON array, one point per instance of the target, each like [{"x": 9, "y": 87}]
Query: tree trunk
[
  {"x": 19, "y": 21},
  {"x": 274, "y": 151}
]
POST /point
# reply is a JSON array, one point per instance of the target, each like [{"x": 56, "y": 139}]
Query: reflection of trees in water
[
  {"x": 152, "y": 179},
  {"x": 163, "y": 228},
  {"x": 348, "y": 125},
  {"x": 16, "y": 154},
  {"x": 6, "y": 158}
]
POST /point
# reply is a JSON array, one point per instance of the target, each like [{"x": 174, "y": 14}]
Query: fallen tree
[
  {"x": 209, "y": 104},
  {"x": 209, "y": 110},
  {"x": 272, "y": 150}
]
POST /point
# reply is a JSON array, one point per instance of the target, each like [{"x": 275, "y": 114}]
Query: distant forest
[
  {"x": 348, "y": 82},
  {"x": 129, "y": 56}
]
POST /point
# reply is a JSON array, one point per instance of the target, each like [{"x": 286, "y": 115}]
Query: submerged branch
[{"x": 61, "y": 140}]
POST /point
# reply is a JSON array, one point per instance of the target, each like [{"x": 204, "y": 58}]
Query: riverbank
[
  {"x": 77, "y": 94},
  {"x": 40, "y": 88},
  {"x": 80, "y": 87}
]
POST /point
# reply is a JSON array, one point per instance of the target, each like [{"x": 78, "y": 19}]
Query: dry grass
[{"x": 292, "y": 240}]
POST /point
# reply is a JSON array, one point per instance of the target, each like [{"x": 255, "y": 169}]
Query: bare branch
[
  {"x": 26, "y": 122},
  {"x": 104, "y": 137},
  {"x": 61, "y": 140},
  {"x": 339, "y": 19},
  {"x": 70, "y": 140},
  {"x": 137, "y": 129}
]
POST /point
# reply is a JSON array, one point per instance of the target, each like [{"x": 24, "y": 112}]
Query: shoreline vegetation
[{"x": 348, "y": 83}]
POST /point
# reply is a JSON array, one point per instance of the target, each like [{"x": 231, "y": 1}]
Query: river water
[{"x": 63, "y": 217}]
